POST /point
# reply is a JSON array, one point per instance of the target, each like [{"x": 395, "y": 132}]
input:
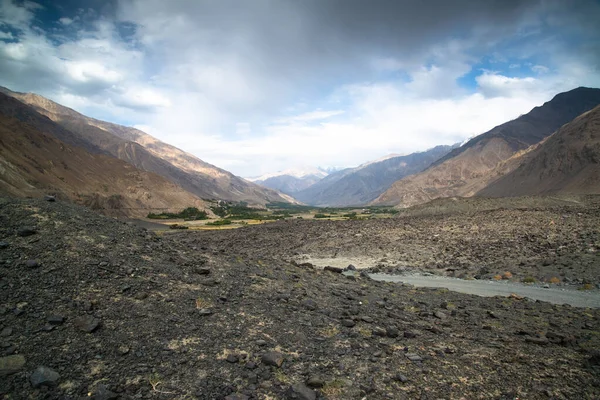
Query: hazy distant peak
[{"x": 298, "y": 172}]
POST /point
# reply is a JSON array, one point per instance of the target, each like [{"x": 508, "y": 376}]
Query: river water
[{"x": 556, "y": 295}]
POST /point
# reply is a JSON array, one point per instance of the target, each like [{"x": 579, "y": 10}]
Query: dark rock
[
  {"x": 50, "y": 198},
  {"x": 44, "y": 376},
  {"x": 86, "y": 323},
  {"x": 6, "y": 332},
  {"x": 24, "y": 232},
  {"x": 11, "y": 364},
  {"x": 236, "y": 396},
  {"x": 233, "y": 358},
  {"x": 4, "y": 245},
  {"x": 301, "y": 392},
  {"x": 367, "y": 319},
  {"x": 273, "y": 358},
  {"x": 410, "y": 334},
  {"x": 210, "y": 282},
  {"x": 336, "y": 270},
  {"x": 55, "y": 319},
  {"x": 392, "y": 332},
  {"x": 251, "y": 365},
  {"x": 102, "y": 392},
  {"x": 348, "y": 323},
  {"x": 537, "y": 340},
  {"x": 350, "y": 268},
  {"x": 400, "y": 378},
  {"x": 205, "y": 312},
  {"x": 261, "y": 342},
  {"x": 310, "y": 304},
  {"x": 202, "y": 270},
  {"x": 32, "y": 264}
]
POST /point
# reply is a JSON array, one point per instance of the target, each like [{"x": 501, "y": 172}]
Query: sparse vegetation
[
  {"x": 220, "y": 222},
  {"x": 189, "y": 214},
  {"x": 528, "y": 279}
]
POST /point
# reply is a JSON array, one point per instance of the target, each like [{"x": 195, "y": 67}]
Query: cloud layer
[{"x": 264, "y": 85}]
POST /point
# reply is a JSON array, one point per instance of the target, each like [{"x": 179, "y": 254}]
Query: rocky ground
[{"x": 91, "y": 307}]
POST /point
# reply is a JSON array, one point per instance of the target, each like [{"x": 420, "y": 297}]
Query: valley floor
[{"x": 116, "y": 311}]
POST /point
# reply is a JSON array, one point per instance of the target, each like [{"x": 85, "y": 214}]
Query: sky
[{"x": 256, "y": 86}]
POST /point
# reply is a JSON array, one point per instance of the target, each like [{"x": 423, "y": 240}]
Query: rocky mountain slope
[
  {"x": 150, "y": 154},
  {"x": 566, "y": 162},
  {"x": 360, "y": 185},
  {"x": 466, "y": 170},
  {"x": 291, "y": 181},
  {"x": 91, "y": 307},
  {"x": 33, "y": 163}
]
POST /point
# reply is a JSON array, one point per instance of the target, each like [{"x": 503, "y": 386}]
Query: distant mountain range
[
  {"x": 291, "y": 180},
  {"x": 468, "y": 169},
  {"x": 360, "y": 185},
  {"x": 142, "y": 151}
]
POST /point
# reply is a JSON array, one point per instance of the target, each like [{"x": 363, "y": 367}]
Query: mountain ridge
[{"x": 470, "y": 168}]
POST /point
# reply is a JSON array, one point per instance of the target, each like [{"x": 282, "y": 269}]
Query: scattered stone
[
  {"x": 32, "y": 264},
  {"x": 203, "y": 312},
  {"x": 492, "y": 315},
  {"x": 315, "y": 382},
  {"x": 377, "y": 331},
  {"x": 123, "y": 350},
  {"x": 348, "y": 323},
  {"x": 202, "y": 270},
  {"x": 392, "y": 331},
  {"x": 414, "y": 357},
  {"x": 261, "y": 342},
  {"x": 310, "y": 304},
  {"x": 439, "y": 315},
  {"x": 367, "y": 319},
  {"x": 6, "y": 332},
  {"x": 86, "y": 323},
  {"x": 24, "y": 232},
  {"x": 350, "y": 268},
  {"x": 11, "y": 364},
  {"x": 236, "y": 396},
  {"x": 273, "y": 358},
  {"x": 251, "y": 365},
  {"x": 44, "y": 376},
  {"x": 410, "y": 334},
  {"x": 537, "y": 340},
  {"x": 50, "y": 198},
  {"x": 140, "y": 296},
  {"x": 400, "y": 378},
  {"x": 4, "y": 245},
  {"x": 102, "y": 392},
  {"x": 210, "y": 282},
  {"x": 301, "y": 392},
  {"x": 335, "y": 270}
]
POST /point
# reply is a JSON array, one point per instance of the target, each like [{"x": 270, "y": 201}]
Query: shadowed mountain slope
[
  {"x": 566, "y": 162},
  {"x": 148, "y": 153},
  {"x": 34, "y": 162}
]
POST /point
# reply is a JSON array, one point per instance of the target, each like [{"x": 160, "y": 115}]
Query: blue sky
[{"x": 260, "y": 86}]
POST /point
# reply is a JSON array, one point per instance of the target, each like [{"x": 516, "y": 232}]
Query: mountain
[
  {"x": 291, "y": 181},
  {"x": 34, "y": 162},
  {"x": 148, "y": 153},
  {"x": 566, "y": 162},
  {"x": 360, "y": 185},
  {"x": 471, "y": 167}
]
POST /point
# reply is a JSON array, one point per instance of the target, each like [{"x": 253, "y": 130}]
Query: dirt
[{"x": 103, "y": 309}]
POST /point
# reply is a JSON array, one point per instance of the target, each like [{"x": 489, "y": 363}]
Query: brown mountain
[
  {"x": 470, "y": 168},
  {"x": 566, "y": 162},
  {"x": 34, "y": 162},
  {"x": 150, "y": 154}
]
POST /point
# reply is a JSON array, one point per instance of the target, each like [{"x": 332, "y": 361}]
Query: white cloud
[
  {"x": 65, "y": 21},
  {"x": 540, "y": 69}
]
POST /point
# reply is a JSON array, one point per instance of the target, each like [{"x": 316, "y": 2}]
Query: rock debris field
[{"x": 93, "y": 307}]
